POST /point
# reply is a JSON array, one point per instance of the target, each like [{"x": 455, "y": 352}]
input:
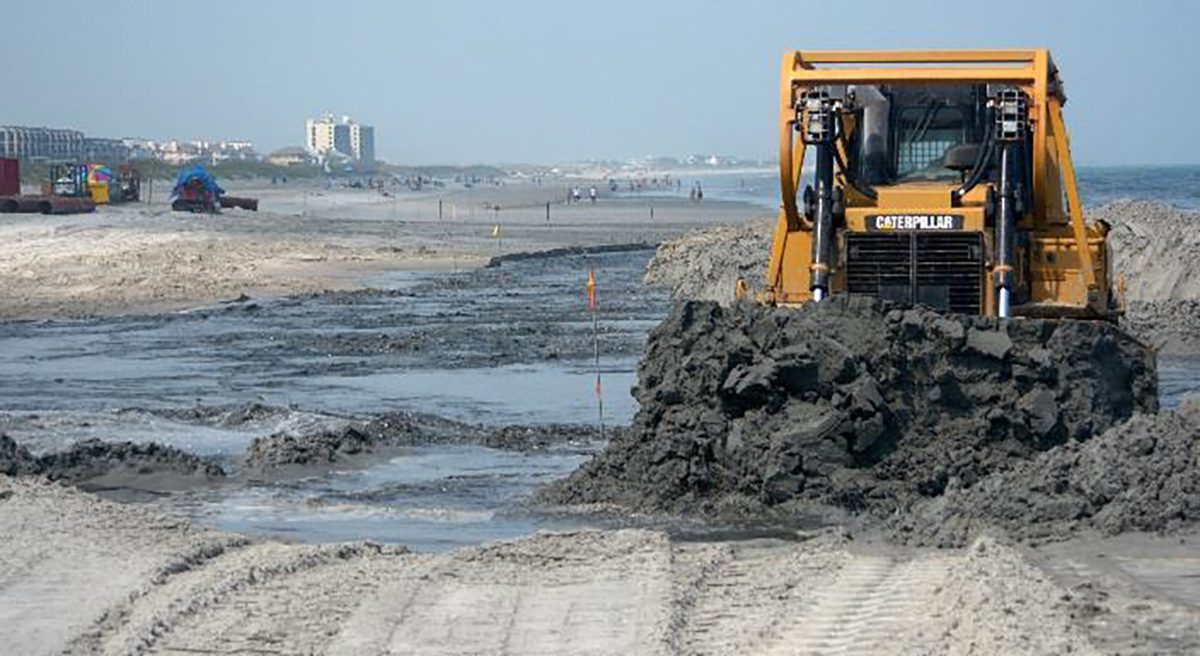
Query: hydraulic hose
[{"x": 981, "y": 161}]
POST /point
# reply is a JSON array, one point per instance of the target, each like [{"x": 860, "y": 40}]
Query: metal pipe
[
  {"x": 20, "y": 204},
  {"x": 59, "y": 205},
  {"x": 239, "y": 202},
  {"x": 1005, "y": 230},
  {"x": 823, "y": 224}
]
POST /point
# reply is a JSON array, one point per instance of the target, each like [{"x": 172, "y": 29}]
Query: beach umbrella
[{"x": 98, "y": 173}]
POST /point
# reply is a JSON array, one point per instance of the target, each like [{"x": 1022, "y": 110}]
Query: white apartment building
[{"x": 328, "y": 135}]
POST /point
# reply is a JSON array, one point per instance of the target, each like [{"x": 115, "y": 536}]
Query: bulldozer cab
[
  {"x": 922, "y": 133},
  {"x": 940, "y": 178}
]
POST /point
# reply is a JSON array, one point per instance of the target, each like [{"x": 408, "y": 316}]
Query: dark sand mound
[
  {"x": 96, "y": 465},
  {"x": 851, "y": 404},
  {"x": 16, "y": 460},
  {"x": 1143, "y": 475}
]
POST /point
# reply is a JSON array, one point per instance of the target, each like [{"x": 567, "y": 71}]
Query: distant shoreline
[{"x": 141, "y": 258}]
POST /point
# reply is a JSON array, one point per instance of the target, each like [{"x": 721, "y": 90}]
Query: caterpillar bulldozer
[{"x": 939, "y": 178}]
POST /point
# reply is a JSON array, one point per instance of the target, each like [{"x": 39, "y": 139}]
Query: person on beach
[
  {"x": 592, "y": 194},
  {"x": 576, "y": 194}
]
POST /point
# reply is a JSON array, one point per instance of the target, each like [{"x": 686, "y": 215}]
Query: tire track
[
  {"x": 731, "y": 598},
  {"x": 872, "y": 597},
  {"x": 238, "y": 598}
]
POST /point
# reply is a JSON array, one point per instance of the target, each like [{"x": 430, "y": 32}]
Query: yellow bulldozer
[{"x": 940, "y": 178}]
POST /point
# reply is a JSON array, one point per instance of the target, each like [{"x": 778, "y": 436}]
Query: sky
[{"x": 448, "y": 82}]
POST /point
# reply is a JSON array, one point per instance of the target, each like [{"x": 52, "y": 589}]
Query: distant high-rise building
[
  {"x": 328, "y": 135},
  {"x": 318, "y": 134},
  {"x": 362, "y": 143}
]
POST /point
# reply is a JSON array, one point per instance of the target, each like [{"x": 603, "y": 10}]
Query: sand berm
[
  {"x": 939, "y": 426},
  {"x": 855, "y": 406}
]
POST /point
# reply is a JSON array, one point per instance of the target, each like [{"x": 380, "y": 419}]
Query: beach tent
[
  {"x": 196, "y": 177},
  {"x": 196, "y": 191}
]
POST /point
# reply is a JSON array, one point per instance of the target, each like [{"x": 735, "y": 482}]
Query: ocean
[{"x": 1175, "y": 185}]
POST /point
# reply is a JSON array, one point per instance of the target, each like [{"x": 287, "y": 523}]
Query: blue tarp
[{"x": 197, "y": 172}]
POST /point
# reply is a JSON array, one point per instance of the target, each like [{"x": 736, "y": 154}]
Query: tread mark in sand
[{"x": 872, "y": 597}]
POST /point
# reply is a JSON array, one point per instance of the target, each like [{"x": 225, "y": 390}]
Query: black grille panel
[{"x": 942, "y": 270}]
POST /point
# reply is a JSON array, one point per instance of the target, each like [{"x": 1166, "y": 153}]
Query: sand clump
[{"x": 853, "y": 404}]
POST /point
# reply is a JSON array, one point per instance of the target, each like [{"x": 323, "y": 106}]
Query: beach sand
[
  {"x": 82, "y": 575},
  {"x": 143, "y": 257}
]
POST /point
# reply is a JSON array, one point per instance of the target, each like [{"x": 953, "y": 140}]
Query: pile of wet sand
[
  {"x": 852, "y": 404},
  {"x": 705, "y": 265},
  {"x": 301, "y": 444},
  {"x": 94, "y": 464},
  {"x": 1143, "y": 475},
  {"x": 1156, "y": 251},
  {"x": 1155, "y": 248}
]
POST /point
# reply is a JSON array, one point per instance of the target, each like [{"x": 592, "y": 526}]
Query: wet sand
[{"x": 143, "y": 257}]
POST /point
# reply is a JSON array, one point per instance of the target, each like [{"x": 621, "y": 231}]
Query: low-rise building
[
  {"x": 40, "y": 143},
  {"x": 109, "y": 151},
  {"x": 290, "y": 156}
]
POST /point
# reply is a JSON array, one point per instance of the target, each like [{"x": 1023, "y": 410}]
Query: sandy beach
[
  {"x": 144, "y": 257},
  {"x": 120, "y": 579},
  {"x": 83, "y": 574}
]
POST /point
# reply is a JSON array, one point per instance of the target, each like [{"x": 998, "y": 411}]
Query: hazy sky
[{"x": 519, "y": 81}]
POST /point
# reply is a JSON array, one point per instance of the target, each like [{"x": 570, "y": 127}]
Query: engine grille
[{"x": 941, "y": 270}]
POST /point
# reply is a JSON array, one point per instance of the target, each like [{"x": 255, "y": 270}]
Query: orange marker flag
[{"x": 591, "y": 290}]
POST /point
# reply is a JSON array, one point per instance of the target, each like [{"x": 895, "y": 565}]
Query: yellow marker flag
[
  {"x": 591, "y": 289},
  {"x": 496, "y": 230}
]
